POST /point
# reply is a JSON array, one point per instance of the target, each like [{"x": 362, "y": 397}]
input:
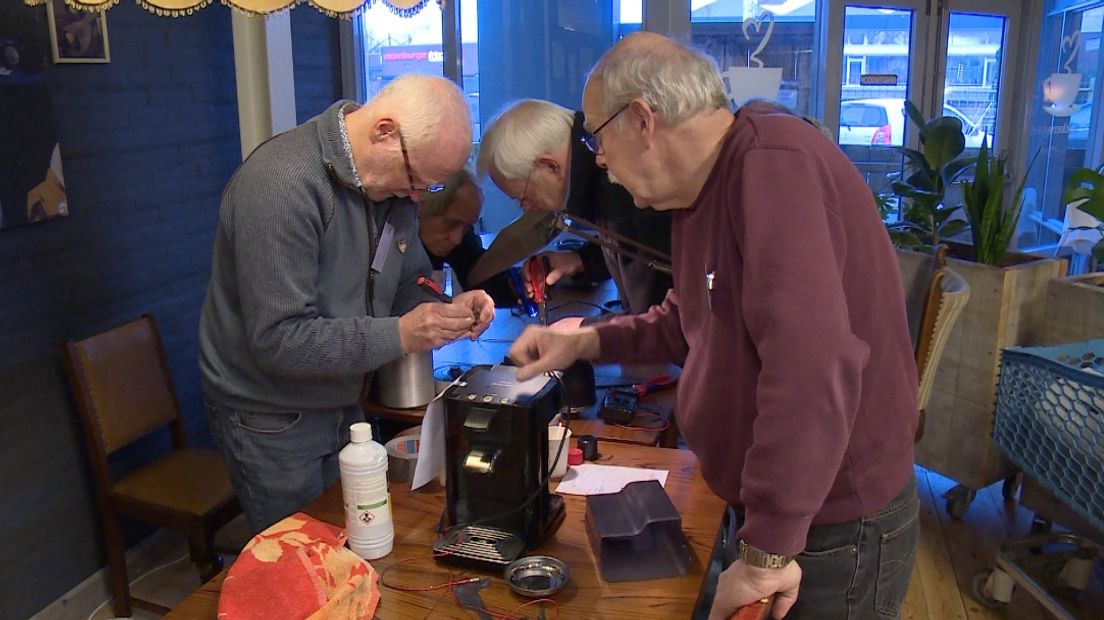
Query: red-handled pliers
[{"x": 538, "y": 274}]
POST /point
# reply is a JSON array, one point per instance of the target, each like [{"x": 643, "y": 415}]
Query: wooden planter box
[
  {"x": 1075, "y": 309},
  {"x": 1007, "y": 307}
]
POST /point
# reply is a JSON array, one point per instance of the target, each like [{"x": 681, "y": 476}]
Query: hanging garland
[{"x": 344, "y": 9}]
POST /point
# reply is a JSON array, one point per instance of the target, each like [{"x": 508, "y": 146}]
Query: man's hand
[
  {"x": 480, "y": 306},
  {"x": 431, "y": 325},
  {"x": 741, "y": 585},
  {"x": 560, "y": 265},
  {"x": 541, "y": 349}
]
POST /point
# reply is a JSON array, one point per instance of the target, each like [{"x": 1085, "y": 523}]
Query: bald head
[
  {"x": 677, "y": 81},
  {"x": 427, "y": 116}
]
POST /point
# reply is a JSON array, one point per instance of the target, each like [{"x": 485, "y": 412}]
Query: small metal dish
[{"x": 537, "y": 576}]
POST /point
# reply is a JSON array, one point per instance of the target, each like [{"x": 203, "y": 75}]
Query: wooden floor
[{"x": 952, "y": 552}]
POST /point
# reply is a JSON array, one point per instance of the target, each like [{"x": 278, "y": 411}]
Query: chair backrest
[
  {"x": 123, "y": 389},
  {"x": 947, "y": 296}
]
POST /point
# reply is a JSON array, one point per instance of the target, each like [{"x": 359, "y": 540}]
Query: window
[
  {"x": 1065, "y": 126},
  {"x": 761, "y": 34}
]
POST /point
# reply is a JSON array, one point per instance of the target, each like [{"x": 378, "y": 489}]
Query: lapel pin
[{"x": 402, "y": 246}]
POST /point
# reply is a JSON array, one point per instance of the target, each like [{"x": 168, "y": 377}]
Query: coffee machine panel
[{"x": 497, "y": 463}]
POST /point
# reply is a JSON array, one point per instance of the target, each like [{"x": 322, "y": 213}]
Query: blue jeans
[
  {"x": 279, "y": 462},
  {"x": 856, "y": 570}
]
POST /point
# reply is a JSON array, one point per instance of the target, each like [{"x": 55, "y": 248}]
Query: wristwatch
[{"x": 753, "y": 556}]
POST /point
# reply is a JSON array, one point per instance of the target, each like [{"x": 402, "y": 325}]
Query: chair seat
[{"x": 194, "y": 482}]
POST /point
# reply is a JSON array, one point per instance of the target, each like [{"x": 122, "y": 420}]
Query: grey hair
[
  {"x": 435, "y": 203},
  {"x": 423, "y": 101},
  {"x": 677, "y": 81},
  {"x": 519, "y": 134}
]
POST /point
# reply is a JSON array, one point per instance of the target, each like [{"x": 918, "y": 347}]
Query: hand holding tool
[
  {"x": 516, "y": 282},
  {"x": 759, "y": 610},
  {"x": 441, "y": 296}
]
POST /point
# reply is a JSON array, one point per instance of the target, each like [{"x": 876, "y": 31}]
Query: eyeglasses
[
  {"x": 432, "y": 189},
  {"x": 525, "y": 192},
  {"x": 591, "y": 139}
]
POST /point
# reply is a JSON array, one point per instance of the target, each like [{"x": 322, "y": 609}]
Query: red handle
[
  {"x": 759, "y": 610},
  {"x": 538, "y": 272},
  {"x": 431, "y": 285}
]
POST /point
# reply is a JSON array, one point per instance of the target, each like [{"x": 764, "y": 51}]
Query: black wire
[{"x": 579, "y": 302}]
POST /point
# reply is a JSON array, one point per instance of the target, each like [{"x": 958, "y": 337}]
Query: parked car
[{"x": 881, "y": 122}]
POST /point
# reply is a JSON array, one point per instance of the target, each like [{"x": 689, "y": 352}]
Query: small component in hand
[{"x": 619, "y": 406}]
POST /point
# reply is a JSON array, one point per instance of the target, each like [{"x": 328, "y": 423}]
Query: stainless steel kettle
[{"x": 405, "y": 383}]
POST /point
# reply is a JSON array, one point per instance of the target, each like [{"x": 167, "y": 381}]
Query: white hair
[
  {"x": 677, "y": 81},
  {"x": 519, "y": 134},
  {"x": 422, "y": 103}
]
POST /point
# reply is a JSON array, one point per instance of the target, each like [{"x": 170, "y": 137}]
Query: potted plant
[
  {"x": 1075, "y": 305},
  {"x": 926, "y": 221},
  {"x": 991, "y": 222},
  {"x": 1006, "y": 308}
]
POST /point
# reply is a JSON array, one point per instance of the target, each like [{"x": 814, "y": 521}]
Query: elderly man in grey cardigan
[{"x": 314, "y": 285}]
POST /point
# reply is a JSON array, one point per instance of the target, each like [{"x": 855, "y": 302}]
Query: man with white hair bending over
[
  {"x": 534, "y": 152},
  {"x": 314, "y": 285}
]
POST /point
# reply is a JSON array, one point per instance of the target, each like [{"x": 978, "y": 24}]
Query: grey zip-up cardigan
[{"x": 286, "y": 324}]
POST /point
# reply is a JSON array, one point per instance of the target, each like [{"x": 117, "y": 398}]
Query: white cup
[
  {"x": 1060, "y": 89},
  {"x": 558, "y": 437}
]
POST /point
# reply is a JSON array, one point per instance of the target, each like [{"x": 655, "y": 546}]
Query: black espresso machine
[{"x": 497, "y": 462}]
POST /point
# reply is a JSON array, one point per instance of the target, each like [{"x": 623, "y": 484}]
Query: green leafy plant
[
  {"x": 991, "y": 222},
  {"x": 1087, "y": 185},
  {"x": 932, "y": 169}
]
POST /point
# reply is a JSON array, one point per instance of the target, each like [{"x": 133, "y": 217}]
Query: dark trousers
[{"x": 856, "y": 570}]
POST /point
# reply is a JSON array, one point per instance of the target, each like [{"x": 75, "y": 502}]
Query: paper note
[
  {"x": 431, "y": 447},
  {"x": 590, "y": 479}
]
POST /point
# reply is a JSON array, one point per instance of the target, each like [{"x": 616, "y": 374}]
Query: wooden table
[
  {"x": 493, "y": 345},
  {"x": 585, "y": 596}
]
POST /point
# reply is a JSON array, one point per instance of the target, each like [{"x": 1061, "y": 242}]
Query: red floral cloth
[{"x": 299, "y": 568}]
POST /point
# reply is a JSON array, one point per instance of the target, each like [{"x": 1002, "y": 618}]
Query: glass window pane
[
  {"x": 972, "y": 82},
  {"x": 1065, "y": 115},
  {"x": 873, "y": 88},
  {"x": 395, "y": 45},
  {"x": 780, "y": 38}
]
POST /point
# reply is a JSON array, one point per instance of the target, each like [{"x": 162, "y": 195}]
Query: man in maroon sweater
[{"x": 798, "y": 391}]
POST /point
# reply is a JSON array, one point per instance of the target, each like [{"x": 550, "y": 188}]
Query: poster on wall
[
  {"x": 77, "y": 36},
  {"x": 32, "y": 185}
]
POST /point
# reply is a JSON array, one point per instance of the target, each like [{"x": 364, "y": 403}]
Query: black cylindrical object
[{"x": 589, "y": 445}]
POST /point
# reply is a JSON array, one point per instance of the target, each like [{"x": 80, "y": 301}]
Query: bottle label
[{"x": 372, "y": 514}]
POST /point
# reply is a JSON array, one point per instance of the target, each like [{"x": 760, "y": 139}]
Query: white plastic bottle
[{"x": 368, "y": 523}]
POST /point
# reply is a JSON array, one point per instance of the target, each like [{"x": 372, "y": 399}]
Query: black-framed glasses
[
  {"x": 432, "y": 189},
  {"x": 590, "y": 139},
  {"x": 525, "y": 192}
]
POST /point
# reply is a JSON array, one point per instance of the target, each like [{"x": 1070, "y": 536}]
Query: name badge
[{"x": 383, "y": 248}]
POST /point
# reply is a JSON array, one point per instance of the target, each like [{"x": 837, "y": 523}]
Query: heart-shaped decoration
[
  {"x": 1071, "y": 45},
  {"x": 765, "y": 19}
]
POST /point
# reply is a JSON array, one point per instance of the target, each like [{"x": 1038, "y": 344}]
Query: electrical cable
[{"x": 139, "y": 578}]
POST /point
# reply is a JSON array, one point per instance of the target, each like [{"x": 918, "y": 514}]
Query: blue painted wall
[{"x": 148, "y": 143}]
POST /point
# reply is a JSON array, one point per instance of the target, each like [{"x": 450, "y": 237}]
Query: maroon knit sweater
[{"x": 798, "y": 391}]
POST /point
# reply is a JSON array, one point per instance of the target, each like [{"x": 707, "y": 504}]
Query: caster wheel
[
  {"x": 958, "y": 501},
  {"x": 981, "y": 592},
  {"x": 1010, "y": 488},
  {"x": 1052, "y": 577}
]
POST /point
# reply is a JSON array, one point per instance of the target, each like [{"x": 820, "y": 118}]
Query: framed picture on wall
[{"x": 77, "y": 36}]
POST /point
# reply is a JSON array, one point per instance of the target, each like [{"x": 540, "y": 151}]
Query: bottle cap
[
  {"x": 574, "y": 456},
  {"x": 360, "y": 432}
]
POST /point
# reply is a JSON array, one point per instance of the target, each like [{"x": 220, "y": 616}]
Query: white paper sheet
[
  {"x": 431, "y": 449},
  {"x": 591, "y": 479}
]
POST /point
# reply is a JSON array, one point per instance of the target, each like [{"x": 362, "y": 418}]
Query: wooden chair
[
  {"x": 947, "y": 296},
  {"x": 123, "y": 389}
]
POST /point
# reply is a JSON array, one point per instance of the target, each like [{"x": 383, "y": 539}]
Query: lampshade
[{"x": 177, "y": 8}]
